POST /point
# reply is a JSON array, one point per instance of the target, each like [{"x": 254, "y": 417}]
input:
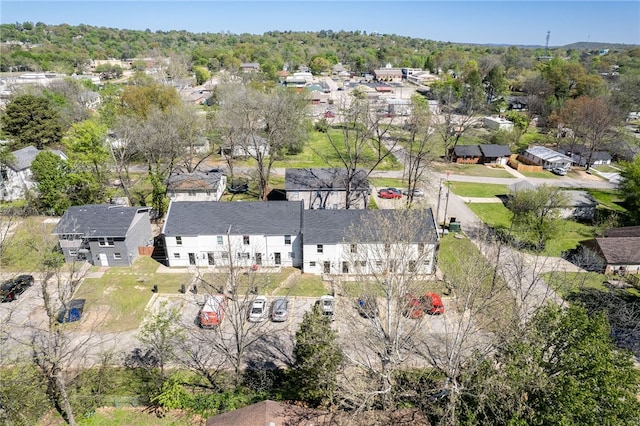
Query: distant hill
[{"x": 595, "y": 45}]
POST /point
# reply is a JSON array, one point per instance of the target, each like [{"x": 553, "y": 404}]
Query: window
[
  {"x": 354, "y": 248},
  {"x": 387, "y": 248},
  {"x": 244, "y": 255},
  {"x": 219, "y": 240},
  {"x": 192, "y": 193},
  {"x": 117, "y": 256},
  {"x": 320, "y": 248},
  {"x": 420, "y": 247},
  {"x": 176, "y": 255},
  {"x": 245, "y": 239},
  {"x": 103, "y": 242},
  {"x": 179, "y": 241},
  {"x": 412, "y": 265},
  {"x": 361, "y": 263},
  {"x": 73, "y": 253},
  {"x": 287, "y": 239},
  {"x": 224, "y": 255},
  {"x": 379, "y": 263},
  {"x": 312, "y": 264}
]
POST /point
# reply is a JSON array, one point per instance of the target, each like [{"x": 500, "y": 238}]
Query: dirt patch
[{"x": 584, "y": 175}]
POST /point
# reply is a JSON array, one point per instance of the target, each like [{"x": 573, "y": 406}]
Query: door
[
  {"x": 192, "y": 258},
  {"x": 277, "y": 258},
  {"x": 345, "y": 267},
  {"x": 103, "y": 259},
  {"x": 326, "y": 267},
  {"x": 210, "y": 258},
  {"x": 258, "y": 258}
]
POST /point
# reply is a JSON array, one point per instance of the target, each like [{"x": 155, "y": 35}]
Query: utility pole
[
  {"x": 446, "y": 205},
  {"x": 438, "y": 205}
]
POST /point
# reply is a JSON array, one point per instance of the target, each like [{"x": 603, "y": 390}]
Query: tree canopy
[{"x": 32, "y": 120}]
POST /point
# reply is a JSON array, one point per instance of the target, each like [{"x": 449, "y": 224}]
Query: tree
[
  {"x": 88, "y": 162},
  {"x": 420, "y": 143},
  {"x": 51, "y": 172},
  {"x": 562, "y": 369},
  {"x": 318, "y": 358},
  {"x": 630, "y": 187},
  {"x": 202, "y": 75},
  {"x": 32, "y": 120},
  {"x": 142, "y": 100},
  {"x": 535, "y": 212}
]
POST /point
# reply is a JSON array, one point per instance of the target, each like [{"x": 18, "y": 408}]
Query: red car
[
  {"x": 329, "y": 114},
  {"x": 389, "y": 193},
  {"x": 433, "y": 304},
  {"x": 414, "y": 307}
]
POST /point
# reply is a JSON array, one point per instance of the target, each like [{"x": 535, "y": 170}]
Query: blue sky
[{"x": 508, "y": 22}]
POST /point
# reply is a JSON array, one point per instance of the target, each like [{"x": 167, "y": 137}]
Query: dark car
[
  {"x": 389, "y": 193},
  {"x": 280, "y": 309},
  {"x": 11, "y": 289},
  {"x": 367, "y": 306},
  {"x": 73, "y": 312}
]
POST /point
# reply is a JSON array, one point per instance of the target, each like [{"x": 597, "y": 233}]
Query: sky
[{"x": 472, "y": 21}]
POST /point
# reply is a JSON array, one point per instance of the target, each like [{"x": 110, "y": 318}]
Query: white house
[
  {"x": 15, "y": 175},
  {"x": 547, "y": 158},
  {"x": 497, "y": 123},
  {"x": 326, "y": 188},
  {"x": 344, "y": 242},
  {"x": 196, "y": 186},
  {"x": 209, "y": 233},
  {"x": 250, "y": 146}
]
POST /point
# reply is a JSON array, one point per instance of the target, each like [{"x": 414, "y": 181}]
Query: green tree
[
  {"x": 535, "y": 213},
  {"x": 202, "y": 74},
  {"x": 630, "y": 187},
  {"x": 88, "y": 162},
  {"x": 319, "y": 65},
  {"x": 50, "y": 172},
  {"x": 317, "y": 359},
  {"x": 562, "y": 370},
  {"x": 32, "y": 120}
]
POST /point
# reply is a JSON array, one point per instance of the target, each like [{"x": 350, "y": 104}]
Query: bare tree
[{"x": 361, "y": 144}]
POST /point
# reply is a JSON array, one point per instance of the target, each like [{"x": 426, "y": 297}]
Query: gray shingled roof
[
  {"x": 467, "y": 151},
  {"x": 625, "y": 231},
  {"x": 97, "y": 220},
  {"x": 495, "y": 150},
  {"x": 194, "y": 181},
  {"x": 189, "y": 218},
  {"x": 578, "y": 198},
  {"x": 335, "y": 226},
  {"x": 323, "y": 179},
  {"x": 23, "y": 158}
]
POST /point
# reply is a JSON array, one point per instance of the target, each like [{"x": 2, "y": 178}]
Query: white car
[
  {"x": 416, "y": 192},
  {"x": 258, "y": 310}
]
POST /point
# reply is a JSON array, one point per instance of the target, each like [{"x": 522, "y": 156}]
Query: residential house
[
  {"x": 580, "y": 155},
  {"x": 468, "y": 154},
  {"x": 397, "y": 106},
  {"x": 618, "y": 255},
  {"x": 495, "y": 154},
  {"x": 15, "y": 175},
  {"x": 547, "y": 158},
  {"x": 326, "y": 188},
  {"x": 580, "y": 205},
  {"x": 103, "y": 234},
  {"x": 207, "y": 233},
  {"x": 250, "y": 67},
  {"x": 497, "y": 123},
  {"x": 196, "y": 186},
  {"x": 249, "y": 146},
  {"x": 347, "y": 242},
  {"x": 421, "y": 78},
  {"x": 283, "y": 234}
]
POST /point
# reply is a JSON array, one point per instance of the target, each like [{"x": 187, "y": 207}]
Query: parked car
[
  {"x": 327, "y": 305},
  {"x": 367, "y": 306},
  {"x": 434, "y": 305},
  {"x": 414, "y": 307},
  {"x": 416, "y": 192},
  {"x": 559, "y": 171},
  {"x": 258, "y": 310},
  {"x": 212, "y": 312},
  {"x": 329, "y": 114},
  {"x": 280, "y": 309},
  {"x": 11, "y": 289},
  {"x": 73, "y": 311},
  {"x": 389, "y": 193}
]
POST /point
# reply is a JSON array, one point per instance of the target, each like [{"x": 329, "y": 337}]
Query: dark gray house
[
  {"x": 495, "y": 154},
  {"x": 103, "y": 234},
  {"x": 327, "y": 188}
]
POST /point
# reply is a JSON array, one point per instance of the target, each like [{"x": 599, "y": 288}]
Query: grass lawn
[
  {"x": 544, "y": 174},
  {"x": 480, "y": 190},
  {"x": 386, "y": 182},
  {"x": 107, "y": 416},
  {"x": 606, "y": 168},
  {"x": 120, "y": 296},
  {"x": 31, "y": 239},
  {"x": 354, "y": 289},
  {"x": 568, "y": 236},
  {"x": 266, "y": 282},
  {"x": 306, "y": 285},
  {"x": 470, "y": 170},
  {"x": 457, "y": 259},
  {"x": 319, "y": 152},
  {"x": 610, "y": 199},
  {"x": 565, "y": 283}
]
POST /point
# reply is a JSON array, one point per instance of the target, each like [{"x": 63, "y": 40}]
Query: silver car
[{"x": 280, "y": 309}]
